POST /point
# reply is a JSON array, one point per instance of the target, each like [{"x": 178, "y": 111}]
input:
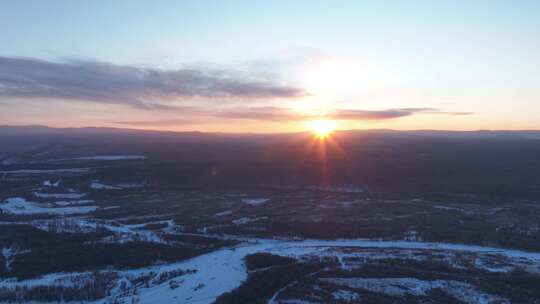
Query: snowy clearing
[
  {"x": 100, "y": 186},
  {"x": 18, "y": 205},
  {"x": 226, "y": 212},
  {"x": 209, "y": 281},
  {"x": 245, "y": 220},
  {"x": 104, "y": 157},
  {"x": 255, "y": 201},
  {"x": 129, "y": 186},
  {"x": 48, "y": 183},
  {"x": 211, "y": 267},
  {"x": 345, "y": 295},
  {"x": 59, "y": 195},
  {"x": 403, "y": 286},
  {"x": 47, "y": 171},
  {"x": 72, "y": 203}
]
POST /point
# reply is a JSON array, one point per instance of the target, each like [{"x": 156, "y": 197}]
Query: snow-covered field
[
  {"x": 72, "y": 203},
  {"x": 403, "y": 286},
  {"x": 59, "y": 195},
  {"x": 97, "y": 185},
  {"x": 47, "y": 171},
  {"x": 104, "y": 157},
  {"x": 48, "y": 183},
  {"x": 18, "y": 205},
  {"x": 223, "y": 270},
  {"x": 255, "y": 201},
  {"x": 224, "y": 213},
  {"x": 245, "y": 220},
  {"x": 100, "y": 186}
]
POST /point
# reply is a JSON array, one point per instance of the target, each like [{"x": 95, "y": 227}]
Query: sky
[{"x": 271, "y": 66}]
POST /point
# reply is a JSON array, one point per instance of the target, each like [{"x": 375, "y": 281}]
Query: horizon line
[{"x": 266, "y": 133}]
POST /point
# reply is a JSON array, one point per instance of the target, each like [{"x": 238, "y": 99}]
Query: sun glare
[
  {"x": 335, "y": 78},
  {"x": 322, "y": 128}
]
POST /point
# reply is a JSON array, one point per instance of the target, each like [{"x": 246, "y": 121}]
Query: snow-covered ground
[
  {"x": 8, "y": 254},
  {"x": 59, "y": 195},
  {"x": 345, "y": 295},
  {"x": 99, "y": 186},
  {"x": 18, "y": 205},
  {"x": 255, "y": 201},
  {"x": 245, "y": 220},
  {"x": 72, "y": 203},
  {"x": 224, "y": 213},
  {"x": 122, "y": 233},
  {"x": 131, "y": 185},
  {"x": 47, "y": 171},
  {"x": 339, "y": 189},
  {"x": 223, "y": 270},
  {"x": 48, "y": 183},
  {"x": 447, "y": 208},
  {"x": 104, "y": 157},
  {"x": 402, "y": 286}
]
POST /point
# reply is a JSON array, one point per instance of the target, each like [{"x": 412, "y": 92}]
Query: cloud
[
  {"x": 130, "y": 85},
  {"x": 284, "y": 114},
  {"x": 197, "y": 115},
  {"x": 279, "y": 114},
  {"x": 389, "y": 114},
  {"x": 372, "y": 115},
  {"x": 159, "y": 123},
  {"x": 259, "y": 113}
]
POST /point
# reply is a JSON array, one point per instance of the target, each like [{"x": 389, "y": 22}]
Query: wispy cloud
[
  {"x": 279, "y": 114},
  {"x": 259, "y": 113},
  {"x": 389, "y": 114},
  {"x": 139, "y": 87},
  {"x": 159, "y": 122}
]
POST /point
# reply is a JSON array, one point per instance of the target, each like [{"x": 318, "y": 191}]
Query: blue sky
[{"x": 480, "y": 59}]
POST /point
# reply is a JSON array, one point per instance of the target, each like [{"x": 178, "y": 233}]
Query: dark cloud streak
[
  {"x": 389, "y": 114},
  {"x": 159, "y": 123},
  {"x": 278, "y": 114},
  {"x": 122, "y": 84},
  {"x": 260, "y": 113}
]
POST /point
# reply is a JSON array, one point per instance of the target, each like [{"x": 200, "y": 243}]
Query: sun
[{"x": 322, "y": 128}]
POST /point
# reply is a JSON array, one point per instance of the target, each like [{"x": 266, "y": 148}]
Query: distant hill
[{"x": 478, "y": 161}]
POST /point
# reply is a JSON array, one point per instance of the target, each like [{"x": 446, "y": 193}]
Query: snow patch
[
  {"x": 245, "y": 220},
  {"x": 59, "y": 195},
  {"x": 99, "y": 186},
  {"x": 128, "y": 186},
  {"x": 111, "y": 207},
  {"x": 403, "y": 286},
  {"x": 18, "y": 205},
  {"x": 104, "y": 157},
  {"x": 346, "y": 295},
  {"x": 72, "y": 203},
  {"x": 227, "y": 212},
  {"x": 339, "y": 189},
  {"x": 8, "y": 254},
  {"x": 48, "y": 183},
  {"x": 255, "y": 201},
  {"x": 55, "y": 171},
  {"x": 447, "y": 208}
]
